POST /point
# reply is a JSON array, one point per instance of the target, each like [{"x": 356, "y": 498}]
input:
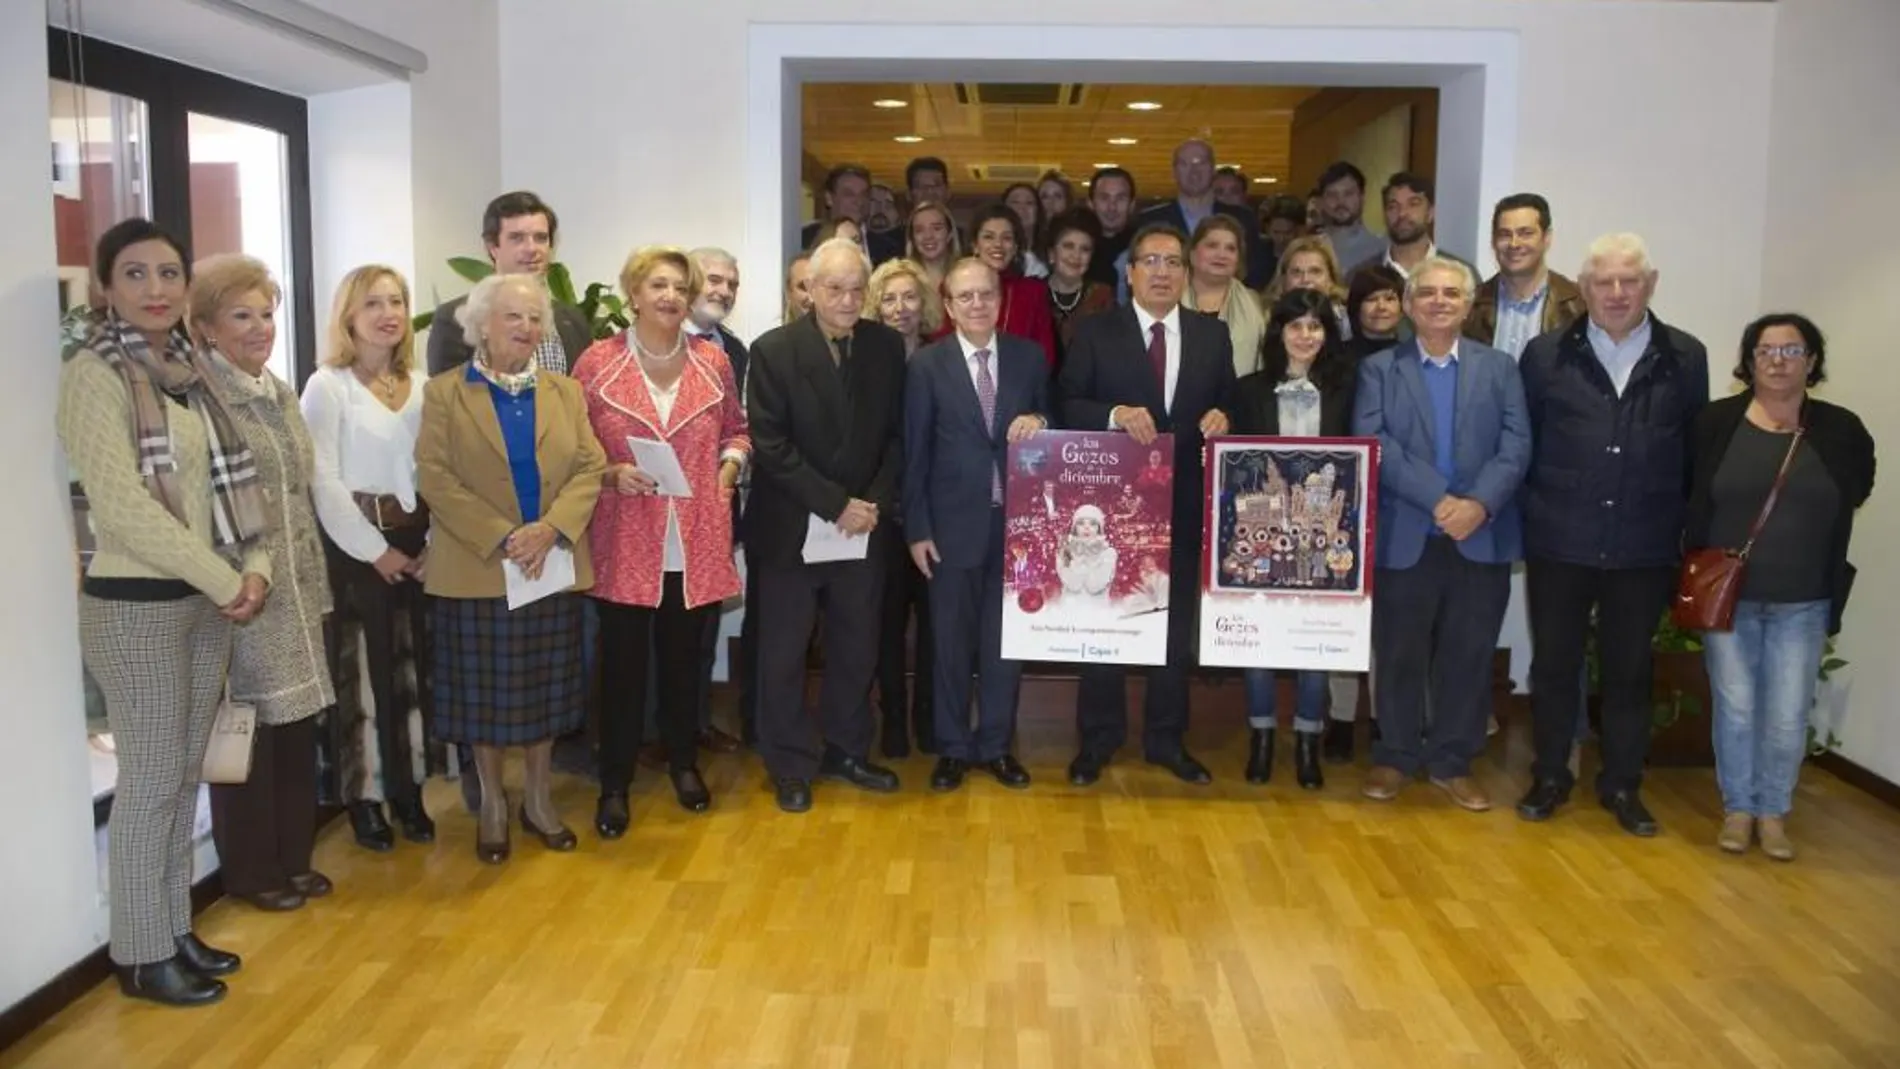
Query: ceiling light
[
  {"x": 1124, "y": 141},
  {"x": 1267, "y": 181},
  {"x": 1144, "y": 105},
  {"x": 907, "y": 139},
  {"x": 1099, "y": 166},
  {"x": 890, "y": 102}
]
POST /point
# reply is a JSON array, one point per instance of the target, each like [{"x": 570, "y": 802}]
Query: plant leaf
[
  {"x": 470, "y": 268},
  {"x": 421, "y": 322},
  {"x": 561, "y": 284},
  {"x": 1832, "y": 664}
]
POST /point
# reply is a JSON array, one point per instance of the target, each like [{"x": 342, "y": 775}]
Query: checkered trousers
[
  {"x": 160, "y": 665},
  {"x": 506, "y": 678}
]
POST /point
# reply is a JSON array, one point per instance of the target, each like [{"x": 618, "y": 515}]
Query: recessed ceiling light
[
  {"x": 1267, "y": 181},
  {"x": 1099, "y": 166},
  {"x": 1124, "y": 141},
  {"x": 890, "y": 102},
  {"x": 1144, "y": 105},
  {"x": 907, "y": 139}
]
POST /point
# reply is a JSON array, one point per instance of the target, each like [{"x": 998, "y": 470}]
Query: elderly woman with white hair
[{"x": 511, "y": 470}]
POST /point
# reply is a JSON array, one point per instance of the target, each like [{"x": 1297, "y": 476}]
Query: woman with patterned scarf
[{"x": 177, "y": 514}]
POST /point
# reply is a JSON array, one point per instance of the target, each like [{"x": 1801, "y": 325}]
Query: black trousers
[
  {"x": 376, "y": 604},
  {"x": 747, "y": 672},
  {"x": 1628, "y": 602},
  {"x": 631, "y": 637},
  {"x": 790, "y": 596},
  {"x": 1434, "y": 629},
  {"x": 1101, "y": 698},
  {"x": 966, "y": 608},
  {"x": 266, "y": 826},
  {"x": 906, "y": 593}
]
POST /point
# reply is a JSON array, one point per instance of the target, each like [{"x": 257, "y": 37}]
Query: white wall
[
  {"x": 48, "y": 886},
  {"x": 1834, "y": 158},
  {"x": 360, "y": 151}
]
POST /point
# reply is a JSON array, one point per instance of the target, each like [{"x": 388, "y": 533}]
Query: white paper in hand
[
  {"x": 658, "y": 460},
  {"x": 825, "y": 542},
  {"x": 557, "y": 574}
]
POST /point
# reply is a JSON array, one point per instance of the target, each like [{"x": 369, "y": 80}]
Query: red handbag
[{"x": 1711, "y": 579}]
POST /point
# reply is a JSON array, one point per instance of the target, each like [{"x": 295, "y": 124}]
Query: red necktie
[{"x": 1158, "y": 356}]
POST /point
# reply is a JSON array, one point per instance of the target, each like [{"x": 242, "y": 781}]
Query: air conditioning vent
[
  {"x": 1020, "y": 94},
  {"x": 1010, "y": 172}
]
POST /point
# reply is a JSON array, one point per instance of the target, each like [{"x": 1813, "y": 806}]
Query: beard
[
  {"x": 1406, "y": 231},
  {"x": 709, "y": 313}
]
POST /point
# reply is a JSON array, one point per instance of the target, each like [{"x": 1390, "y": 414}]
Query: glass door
[{"x": 240, "y": 202}]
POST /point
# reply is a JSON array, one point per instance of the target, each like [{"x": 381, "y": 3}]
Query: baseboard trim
[
  {"x": 1873, "y": 783},
  {"x": 20, "y": 1019}
]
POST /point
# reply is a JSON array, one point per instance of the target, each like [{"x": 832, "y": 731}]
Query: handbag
[
  {"x": 228, "y": 755},
  {"x": 1711, "y": 579}
]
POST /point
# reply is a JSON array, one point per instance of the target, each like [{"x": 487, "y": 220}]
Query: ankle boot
[
  {"x": 370, "y": 828},
  {"x": 1306, "y": 760},
  {"x": 1260, "y": 755},
  {"x": 169, "y": 983},
  {"x": 206, "y": 960}
]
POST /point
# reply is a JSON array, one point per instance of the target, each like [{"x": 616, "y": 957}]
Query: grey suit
[{"x": 447, "y": 349}]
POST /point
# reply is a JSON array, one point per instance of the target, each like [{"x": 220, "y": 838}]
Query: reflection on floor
[{"x": 1139, "y": 923}]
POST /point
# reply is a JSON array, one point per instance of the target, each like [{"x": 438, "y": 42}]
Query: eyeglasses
[
  {"x": 970, "y": 297},
  {"x": 1790, "y": 353},
  {"x": 1155, "y": 261}
]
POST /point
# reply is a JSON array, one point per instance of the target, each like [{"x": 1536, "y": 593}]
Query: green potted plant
[{"x": 606, "y": 312}]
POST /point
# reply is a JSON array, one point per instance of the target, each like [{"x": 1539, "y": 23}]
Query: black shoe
[
  {"x": 1009, "y": 772},
  {"x": 1306, "y": 770},
  {"x": 1086, "y": 769},
  {"x": 169, "y": 983},
  {"x": 1338, "y": 747},
  {"x": 371, "y": 830},
  {"x": 859, "y": 773},
  {"x": 794, "y": 795},
  {"x": 1631, "y": 814},
  {"x": 1184, "y": 767},
  {"x": 278, "y": 900},
  {"x": 414, "y": 820},
  {"x": 610, "y": 815},
  {"x": 312, "y": 884},
  {"x": 560, "y": 840},
  {"x": 691, "y": 790},
  {"x": 948, "y": 775},
  {"x": 1542, "y": 800},
  {"x": 1259, "y": 755},
  {"x": 894, "y": 740},
  {"x": 206, "y": 960}
]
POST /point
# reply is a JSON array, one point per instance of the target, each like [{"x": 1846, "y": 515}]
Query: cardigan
[{"x": 1837, "y": 436}]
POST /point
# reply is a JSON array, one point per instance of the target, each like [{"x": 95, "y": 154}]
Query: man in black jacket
[
  {"x": 518, "y": 233},
  {"x": 826, "y": 400},
  {"x": 1613, "y": 401}
]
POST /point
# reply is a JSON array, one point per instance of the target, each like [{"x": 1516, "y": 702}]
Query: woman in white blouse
[{"x": 364, "y": 409}]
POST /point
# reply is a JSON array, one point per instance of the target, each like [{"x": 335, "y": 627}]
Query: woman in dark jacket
[
  {"x": 1304, "y": 389},
  {"x": 1795, "y": 585}
]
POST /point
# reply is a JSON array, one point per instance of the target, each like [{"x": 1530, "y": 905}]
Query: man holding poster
[
  {"x": 967, "y": 397},
  {"x": 1454, "y": 444},
  {"x": 1147, "y": 370}
]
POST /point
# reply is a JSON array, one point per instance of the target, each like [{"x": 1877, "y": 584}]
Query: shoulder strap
[{"x": 1774, "y": 492}]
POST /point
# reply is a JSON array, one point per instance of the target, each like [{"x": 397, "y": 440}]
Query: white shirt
[
  {"x": 1431, "y": 249},
  {"x": 1171, "y": 330},
  {"x": 1619, "y": 358},
  {"x": 1450, "y": 357},
  {"x": 673, "y": 557},
  {"x": 362, "y": 447}
]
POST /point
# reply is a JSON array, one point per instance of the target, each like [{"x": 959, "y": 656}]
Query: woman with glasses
[{"x": 1795, "y": 583}]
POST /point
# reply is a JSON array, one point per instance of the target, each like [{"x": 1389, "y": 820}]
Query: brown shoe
[
  {"x": 1737, "y": 830},
  {"x": 714, "y": 740},
  {"x": 653, "y": 755},
  {"x": 1774, "y": 838},
  {"x": 1383, "y": 783},
  {"x": 1465, "y": 792}
]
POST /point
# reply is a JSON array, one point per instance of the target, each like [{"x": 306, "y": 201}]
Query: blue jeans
[
  {"x": 1309, "y": 707},
  {"x": 1762, "y": 675}
]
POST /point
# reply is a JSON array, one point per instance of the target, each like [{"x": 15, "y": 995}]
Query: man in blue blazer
[
  {"x": 1454, "y": 444},
  {"x": 966, "y": 397}
]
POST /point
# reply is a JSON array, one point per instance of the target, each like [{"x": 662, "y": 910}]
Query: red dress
[{"x": 1025, "y": 313}]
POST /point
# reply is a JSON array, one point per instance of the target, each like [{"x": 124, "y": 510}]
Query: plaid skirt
[{"x": 506, "y": 678}]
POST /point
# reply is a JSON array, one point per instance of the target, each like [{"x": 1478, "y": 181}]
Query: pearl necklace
[
  {"x": 1055, "y": 298},
  {"x": 679, "y": 346}
]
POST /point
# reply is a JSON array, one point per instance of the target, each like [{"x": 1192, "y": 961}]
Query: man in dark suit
[
  {"x": 847, "y": 195},
  {"x": 1194, "y": 201},
  {"x": 1151, "y": 368},
  {"x": 968, "y": 396},
  {"x": 1613, "y": 400},
  {"x": 1525, "y": 298},
  {"x": 1454, "y": 444},
  {"x": 518, "y": 231},
  {"x": 826, "y": 398}
]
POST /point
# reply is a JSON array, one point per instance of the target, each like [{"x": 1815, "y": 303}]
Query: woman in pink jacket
[{"x": 662, "y": 560}]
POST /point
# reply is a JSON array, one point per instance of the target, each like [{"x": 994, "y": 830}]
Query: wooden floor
[{"x": 1139, "y": 923}]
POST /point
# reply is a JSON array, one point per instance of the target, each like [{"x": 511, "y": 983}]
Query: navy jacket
[
  {"x": 1491, "y": 448},
  {"x": 1609, "y": 478},
  {"x": 950, "y": 456}
]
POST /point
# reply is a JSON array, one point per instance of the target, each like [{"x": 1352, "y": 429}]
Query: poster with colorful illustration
[
  {"x": 1085, "y": 544},
  {"x": 1287, "y": 560}
]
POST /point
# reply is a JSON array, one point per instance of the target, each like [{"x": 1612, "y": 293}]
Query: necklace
[
  {"x": 382, "y": 382},
  {"x": 679, "y": 346},
  {"x": 1055, "y": 298}
]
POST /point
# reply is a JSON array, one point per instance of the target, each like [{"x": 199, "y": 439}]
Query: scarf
[
  {"x": 512, "y": 383},
  {"x": 237, "y": 497}
]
